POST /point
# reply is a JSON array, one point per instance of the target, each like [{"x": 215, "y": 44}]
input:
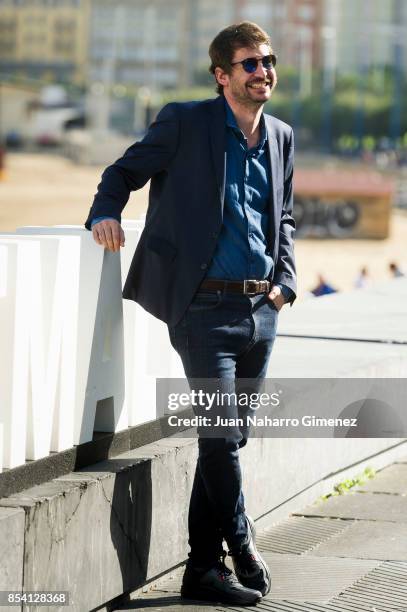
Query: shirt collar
[{"x": 232, "y": 124}]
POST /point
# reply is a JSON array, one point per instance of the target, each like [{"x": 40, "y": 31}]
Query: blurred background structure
[
  {"x": 81, "y": 79},
  {"x": 342, "y": 63}
]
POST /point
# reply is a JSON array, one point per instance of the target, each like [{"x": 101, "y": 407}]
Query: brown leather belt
[{"x": 245, "y": 287}]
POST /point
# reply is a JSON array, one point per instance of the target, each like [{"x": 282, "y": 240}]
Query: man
[{"x": 219, "y": 216}]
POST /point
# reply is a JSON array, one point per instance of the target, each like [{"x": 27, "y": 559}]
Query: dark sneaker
[
  {"x": 217, "y": 584},
  {"x": 250, "y": 567}
]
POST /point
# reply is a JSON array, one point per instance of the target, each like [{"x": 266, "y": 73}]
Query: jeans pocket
[{"x": 205, "y": 301}]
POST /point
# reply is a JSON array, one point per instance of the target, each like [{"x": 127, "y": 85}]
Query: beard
[{"x": 247, "y": 96}]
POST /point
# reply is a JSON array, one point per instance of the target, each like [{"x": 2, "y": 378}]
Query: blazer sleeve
[
  {"x": 139, "y": 163},
  {"x": 285, "y": 266}
]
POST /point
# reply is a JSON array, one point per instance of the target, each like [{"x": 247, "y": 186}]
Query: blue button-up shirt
[{"x": 242, "y": 249}]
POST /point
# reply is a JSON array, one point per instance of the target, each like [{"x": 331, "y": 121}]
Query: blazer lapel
[{"x": 217, "y": 130}]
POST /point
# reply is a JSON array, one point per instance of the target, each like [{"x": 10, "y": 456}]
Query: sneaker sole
[
  {"x": 202, "y": 594},
  {"x": 262, "y": 561}
]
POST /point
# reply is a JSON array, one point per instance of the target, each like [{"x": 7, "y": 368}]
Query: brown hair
[{"x": 236, "y": 36}]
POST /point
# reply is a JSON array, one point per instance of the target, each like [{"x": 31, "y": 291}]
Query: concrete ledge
[
  {"x": 11, "y": 549},
  {"x": 113, "y": 526},
  {"x": 103, "y": 446},
  {"x": 100, "y": 532}
]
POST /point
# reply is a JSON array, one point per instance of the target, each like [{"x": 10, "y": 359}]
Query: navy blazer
[{"x": 184, "y": 155}]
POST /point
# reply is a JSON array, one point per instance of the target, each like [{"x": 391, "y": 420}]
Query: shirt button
[{"x": 204, "y": 266}]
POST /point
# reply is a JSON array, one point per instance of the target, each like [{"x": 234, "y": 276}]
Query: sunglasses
[{"x": 250, "y": 63}]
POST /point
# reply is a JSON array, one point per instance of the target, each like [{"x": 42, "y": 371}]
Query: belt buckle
[{"x": 246, "y": 290}]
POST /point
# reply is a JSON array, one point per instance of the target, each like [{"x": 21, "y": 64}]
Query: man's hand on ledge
[
  {"x": 108, "y": 233},
  {"x": 276, "y": 297}
]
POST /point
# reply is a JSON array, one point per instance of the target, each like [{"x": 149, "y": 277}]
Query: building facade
[
  {"x": 44, "y": 39},
  {"x": 363, "y": 35},
  {"x": 159, "y": 44},
  {"x": 139, "y": 42}
]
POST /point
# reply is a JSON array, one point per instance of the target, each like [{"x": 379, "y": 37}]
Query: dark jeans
[{"x": 228, "y": 337}]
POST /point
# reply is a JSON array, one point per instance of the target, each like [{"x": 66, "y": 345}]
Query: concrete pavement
[{"x": 345, "y": 554}]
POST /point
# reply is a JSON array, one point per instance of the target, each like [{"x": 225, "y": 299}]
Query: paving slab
[
  {"x": 366, "y": 540},
  {"x": 299, "y": 534},
  {"x": 367, "y": 506},
  {"x": 384, "y": 589},
  {"x": 170, "y": 603},
  {"x": 392, "y": 479},
  {"x": 378, "y": 313}
]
